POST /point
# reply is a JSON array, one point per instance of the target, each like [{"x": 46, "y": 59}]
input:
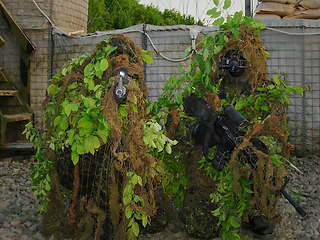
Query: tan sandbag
[
  {"x": 266, "y": 16},
  {"x": 310, "y": 3},
  {"x": 275, "y": 8},
  {"x": 295, "y": 2},
  {"x": 306, "y": 14}
]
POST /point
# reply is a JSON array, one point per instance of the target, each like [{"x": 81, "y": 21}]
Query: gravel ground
[{"x": 20, "y": 220}]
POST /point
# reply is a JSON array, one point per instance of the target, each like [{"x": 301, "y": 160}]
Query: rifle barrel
[{"x": 294, "y": 204}]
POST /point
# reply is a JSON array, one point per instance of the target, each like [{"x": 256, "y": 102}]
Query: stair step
[
  {"x": 18, "y": 117},
  {"x": 8, "y": 93},
  {"x": 18, "y": 146}
]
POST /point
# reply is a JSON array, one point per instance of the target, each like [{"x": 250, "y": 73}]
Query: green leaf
[
  {"x": 103, "y": 135},
  {"x": 276, "y": 80},
  {"x": 88, "y": 69},
  {"x": 64, "y": 70},
  {"x": 96, "y": 142},
  {"x": 265, "y": 108},
  {"x": 240, "y": 104},
  {"x": 67, "y": 109},
  {"x": 147, "y": 56},
  {"x": 104, "y": 64},
  {"x": 222, "y": 39},
  {"x": 217, "y": 49},
  {"x": 205, "y": 54},
  {"x": 91, "y": 84},
  {"x": 107, "y": 40},
  {"x": 200, "y": 62},
  {"x": 237, "y": 19},
  {"x": 136, "y": 199},
  {"x": 139, "y": 180},
  {"x": 216, "y": 2},
  {"x": 137, "y": 216},
  {"x": 277, "y": 159},
  {"x": 208, "y": 66},
  {"x": 72, "y": 86},
  {"x": 89, "y": 102},
  {"x": 247, "y": 190},
  {"x": 109, "y": 49},
  {"x": 235, "y": 32},
  {"x": 64, "y": 123},
  {"x": 298, "y": 89},
  {"x": 89, "y": 145},
  {"x": 135, "y": 229},
  {"x": 207, "y": 80},
  {"x": 144, "y": 220},
  {"x": 227, "y": 4},
  {"x": 123, "y": 111},
  {"x": 85, "y": 123},
  {"x": 187, "y": 52},
  {"x": 260, "y": 26},
  {"x": 97, "y": 67},
  {"x": 74, "y": 157},
  {"x": 218, "y": 22},
  {"x": 214, "y": 13},
  {"x": 130, "y": 235},
  {"x": 51, "y": 90},
  {"x": 134, "y": 108},
  {"x": 57, "y": 121},
  {"x": 126, "y": 199},
  {"x": 233, "y": 221},
  {"x": 128, "y": 212},
  {"x": 134, "y": 179},
  {"x": 228, "y": 23},
  {"x": 168, "y": 148},
  {"x": 70, "y": 139},
  {"x": 156, "y": 126}
]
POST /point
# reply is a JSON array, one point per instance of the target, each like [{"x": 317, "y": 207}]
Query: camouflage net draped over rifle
[{"x": 97, "y": 180}]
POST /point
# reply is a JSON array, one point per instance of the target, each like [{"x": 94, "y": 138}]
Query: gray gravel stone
[{"x": 19, "y": 219}]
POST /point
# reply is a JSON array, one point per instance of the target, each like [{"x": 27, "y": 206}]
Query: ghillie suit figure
[
  {"x": 95, "y": 116},
  {"x": 229, "y": 69}
]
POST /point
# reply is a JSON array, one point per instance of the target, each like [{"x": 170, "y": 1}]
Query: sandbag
[
  {"x": 266, "y": 16},
  {"x": 275, "y": 8},
  {"x": 313, "y": 4},
  {"x": 295, "y": 2},
  {"x": 306, "y": 14}
]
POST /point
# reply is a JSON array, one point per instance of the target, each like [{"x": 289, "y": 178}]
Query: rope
[{"x": 46, "y": 16}]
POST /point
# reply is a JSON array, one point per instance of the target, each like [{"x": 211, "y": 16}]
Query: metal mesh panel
[
  {"x": 67, "y": 48},
  {"x": 172, "y": 44},
  {"x": 295, "y": 50}
]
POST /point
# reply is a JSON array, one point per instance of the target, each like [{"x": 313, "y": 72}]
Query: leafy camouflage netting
[
  {"x": 266, "y": 177},
  {"x": 104, "y": 144}
]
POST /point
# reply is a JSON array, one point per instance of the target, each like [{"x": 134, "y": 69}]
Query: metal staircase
[{"x": 15, "y": 113}]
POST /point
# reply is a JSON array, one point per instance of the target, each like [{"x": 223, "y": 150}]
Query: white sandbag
[
  {"x": 295, "y": 2},
  {"x": 266, "y": 16},
  {"x": 306, "y": 14},
  {"x": 275, "y": 8},
  {"x": 313, "y": 4}
]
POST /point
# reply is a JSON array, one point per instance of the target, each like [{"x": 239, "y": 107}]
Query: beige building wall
[
  {"x": 71, "y": 15},
  {"x": 32, "y": 16}
]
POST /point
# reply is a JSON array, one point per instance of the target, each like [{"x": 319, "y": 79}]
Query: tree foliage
[{"x": 118, "y": 14}]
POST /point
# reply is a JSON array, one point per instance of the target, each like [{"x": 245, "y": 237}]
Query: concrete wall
[
  {"x": 70, "y": 15},
  {"x": 293, "y": 47},
  {"x": 66, "y": 15}
]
